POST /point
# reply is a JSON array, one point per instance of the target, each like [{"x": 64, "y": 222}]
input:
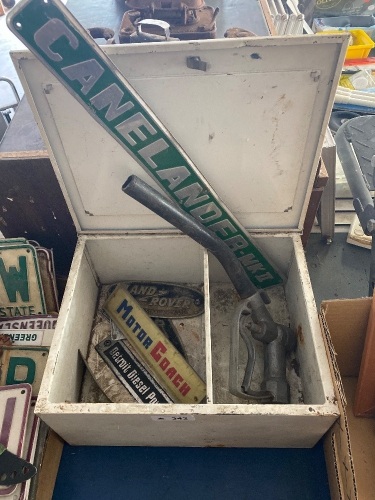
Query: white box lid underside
[{"x": 253, "y": 124}]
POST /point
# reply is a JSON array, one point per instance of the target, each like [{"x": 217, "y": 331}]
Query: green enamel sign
[
  {"x": 21, "y": 289},
  {"x": 49, "y": 30}
]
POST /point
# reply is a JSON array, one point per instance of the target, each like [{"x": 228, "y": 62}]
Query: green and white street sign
[{"x": 50, "y": 31}]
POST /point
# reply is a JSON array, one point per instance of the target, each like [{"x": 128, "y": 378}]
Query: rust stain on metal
[
  {"x": 296, "y": 367},
  {"x": 300, "y": 336},
  {"x": 195, "y": 335},
  {"x": 5, "y": 340}
]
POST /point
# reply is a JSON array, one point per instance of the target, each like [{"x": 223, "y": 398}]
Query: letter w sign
[{"x": 21, "y": 291}]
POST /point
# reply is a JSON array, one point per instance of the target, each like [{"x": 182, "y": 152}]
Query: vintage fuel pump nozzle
[{"x": 252, "y": 319}]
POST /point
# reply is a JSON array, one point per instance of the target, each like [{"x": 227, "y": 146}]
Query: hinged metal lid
[{"x": 252, "y": 118}]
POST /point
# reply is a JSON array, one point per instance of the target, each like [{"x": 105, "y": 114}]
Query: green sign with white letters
[
  {"x": 23, "y": 365},
  {"x": 21, "y": 290},
  {"x": 49, "y": 30}
]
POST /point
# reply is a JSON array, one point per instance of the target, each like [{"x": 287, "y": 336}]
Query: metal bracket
[
  {"x": 195, "y": 62},
  {"x": 48, "y": 88},
  {"x": 315, "y": 75}
]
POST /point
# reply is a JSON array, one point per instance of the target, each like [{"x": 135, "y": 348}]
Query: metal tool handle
[
  {"x": 140, "y": 36},
  {"x": 234, "y": 384},
  {"x": 173, "y": 214},
  {"x": 275, "y": 336},
  {"x": 253, "y": 323}
]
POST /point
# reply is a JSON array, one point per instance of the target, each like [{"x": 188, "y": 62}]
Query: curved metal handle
[
  {"x": 254, "y": 323},
  {"x": 175, "y": 215},
  {"x": 238, "y": 328}
]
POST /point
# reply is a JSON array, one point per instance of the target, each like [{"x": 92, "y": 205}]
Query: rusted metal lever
[{"x": 252, "y": 319}]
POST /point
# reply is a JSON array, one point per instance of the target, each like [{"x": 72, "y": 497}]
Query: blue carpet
[{"x": 134, "y": 473}]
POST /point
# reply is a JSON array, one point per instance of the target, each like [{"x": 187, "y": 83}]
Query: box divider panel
[{"x": 207, "y": 327}]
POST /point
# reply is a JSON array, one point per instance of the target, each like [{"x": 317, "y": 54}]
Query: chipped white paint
[
  {"x": 220, "y": 422},
  {"x": 261, "y": 159}
]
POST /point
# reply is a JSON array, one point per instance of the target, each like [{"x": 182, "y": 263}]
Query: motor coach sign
[{"x": 171, "y": 370}]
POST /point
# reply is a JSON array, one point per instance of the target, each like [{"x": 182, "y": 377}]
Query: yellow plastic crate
[{"x": 362, "y": 43}]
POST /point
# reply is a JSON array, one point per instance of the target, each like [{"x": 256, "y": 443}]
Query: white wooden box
[{"x": 253, "y": 123}]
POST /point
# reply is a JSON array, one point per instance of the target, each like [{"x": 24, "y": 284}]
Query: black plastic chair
[{"x": 355, "y": 141}]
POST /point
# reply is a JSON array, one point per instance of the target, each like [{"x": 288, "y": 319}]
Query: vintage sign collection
[
  {"x": 51, "y": 32},
  {"x": 28, "y": 315},
  {"x": 169, "y": 367},
  {"x": 142, "y": 338},
  {"x": 131, "y": 358}
]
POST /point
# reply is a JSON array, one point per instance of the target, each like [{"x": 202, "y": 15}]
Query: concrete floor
[{"x": 338, "y": 270}]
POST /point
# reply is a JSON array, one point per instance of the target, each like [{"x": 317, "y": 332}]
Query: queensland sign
[
  {"x": 41, "y": 322},
  {"x": 21, "y": 291},
  {"x": 49, "y": 30}
]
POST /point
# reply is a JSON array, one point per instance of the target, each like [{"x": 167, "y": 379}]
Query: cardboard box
[
  {"x": 350, "y": 444},
  {"x": 253, "y": 122}
]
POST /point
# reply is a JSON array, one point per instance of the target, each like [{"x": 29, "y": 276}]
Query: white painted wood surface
[
  {"x": 215, "y": 423},
  {"x": 253, "y": 125}
]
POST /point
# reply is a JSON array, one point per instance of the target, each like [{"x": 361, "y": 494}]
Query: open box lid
[{"x": 252, "y": 122}]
